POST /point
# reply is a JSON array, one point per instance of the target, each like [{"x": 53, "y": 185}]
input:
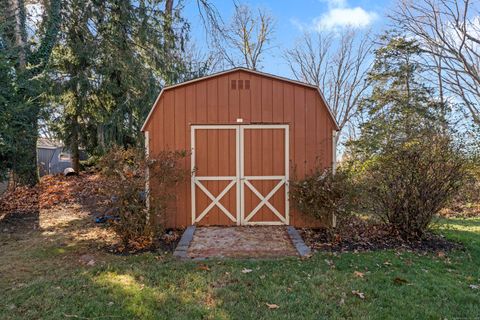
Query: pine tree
[
  {"x": 400, "y": 106},
  {"x": 23, "y": 64},
  {"x": 111, "y": 60}
]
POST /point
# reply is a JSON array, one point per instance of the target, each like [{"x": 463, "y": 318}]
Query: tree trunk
[
  {"x": 168, "y": 23},
  {"x": 74, "y": 145},
  {"x": 17, "y": 9},
  {"x": 169, "y": 7},
  {"x": 25, "y": 171},
  {"x": 101, "y": 136},
  {"x": 24, "y": 167},
  {"x": 30, "y": 173}
]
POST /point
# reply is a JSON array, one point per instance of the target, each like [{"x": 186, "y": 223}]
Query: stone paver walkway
[{"x": 241, "y": 242}]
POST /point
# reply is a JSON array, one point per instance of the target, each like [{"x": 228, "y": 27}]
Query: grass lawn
[{"x": 40, "y": 277}]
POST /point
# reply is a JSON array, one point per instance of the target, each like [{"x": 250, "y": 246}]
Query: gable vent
[{"x": 242, "y": 84}]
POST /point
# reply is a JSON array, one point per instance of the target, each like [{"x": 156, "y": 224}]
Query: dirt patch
[
  {"x": 241, "y": 242},
  {"x": 361, "y": 235}
]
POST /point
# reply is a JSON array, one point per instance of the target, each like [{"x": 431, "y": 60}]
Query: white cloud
[
  {"x": 344, "y": 17},
  {"x": 339, "y": 15},
  {"x": 336, "y": 3}
]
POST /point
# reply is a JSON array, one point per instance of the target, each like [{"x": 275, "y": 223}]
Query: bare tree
[
  {"x": 246, "y": 38},
  {"x": 199, "y": 63},
  {"x": 449, "y": 31},
  {"x": 338, "y": 64},
  {"x": 238, "y": 43}
]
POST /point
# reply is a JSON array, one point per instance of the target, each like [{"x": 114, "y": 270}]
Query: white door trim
[
  {"x": 196, "y": 180},
  {"x": 283, "y": 180},
  {"x": 215, "y": 200},
  {"x": 240, "y": 180}
]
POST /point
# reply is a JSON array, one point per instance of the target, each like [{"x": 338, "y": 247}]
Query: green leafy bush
[
  {"x": 126, "y": 168},
  {"x": 410, "y": 182},
  {"x": 324, "y": 193}
]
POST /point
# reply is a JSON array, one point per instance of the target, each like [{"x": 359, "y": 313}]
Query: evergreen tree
[
  {"x": 7, "y": 112},
  {"x": 22, "y": 64},
  {"x": 400, "y": 106},
  {"x": 110, "y": 63}
]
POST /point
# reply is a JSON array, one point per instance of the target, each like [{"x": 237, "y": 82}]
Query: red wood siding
[{"x": 213, "y": 101}]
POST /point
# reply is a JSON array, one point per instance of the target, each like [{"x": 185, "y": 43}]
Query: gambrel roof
[{"x": 264, "y": 74}]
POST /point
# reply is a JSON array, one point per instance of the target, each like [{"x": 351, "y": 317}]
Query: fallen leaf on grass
[
  {"x": 272, "y": 305},
  {"x": 87, "y": 260},
  {"x": 359, "y": 274},
  {"x": 306, "y": 257},
  {"x": 245, "y": 270},
  {"x": 409, "y": 262},
  {"x": 387, "y": 263},
  {"x": 399, "y": 281},
  {"x": 329, "y": 262},
  {"x": 441, "y": 254},
  {"x": 474, "y": 286},
  {"x": 359, "y": 294},
  {"x": 203, "y": 267}
]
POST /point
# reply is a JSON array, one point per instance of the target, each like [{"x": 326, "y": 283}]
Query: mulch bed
[
  {"x": 166, "y": 242},
  {"x": 357, "y": 234}
]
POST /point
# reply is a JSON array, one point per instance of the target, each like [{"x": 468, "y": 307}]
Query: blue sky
[{"x": 293, "y": 16}]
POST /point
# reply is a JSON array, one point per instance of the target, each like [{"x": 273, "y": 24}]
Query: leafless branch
[
  {"x": 338, "y": 64},
  {"x": 246, "y": 38},
  {"x": 449, "y": 32}
]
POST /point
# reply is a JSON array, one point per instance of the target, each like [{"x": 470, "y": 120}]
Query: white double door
[{"x": 240, "y": 174}]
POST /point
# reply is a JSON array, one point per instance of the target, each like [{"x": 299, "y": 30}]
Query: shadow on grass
[
  {"x": 465, "y": 222},
  {"x": 45, "y": 280},
  {"x": 142, "y": 287},
  {"x": 146, "y": 291},
  {"x": 20, "y": 222}
]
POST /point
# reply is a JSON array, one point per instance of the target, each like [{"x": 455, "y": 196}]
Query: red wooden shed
[{"x": 248, "y": 133}]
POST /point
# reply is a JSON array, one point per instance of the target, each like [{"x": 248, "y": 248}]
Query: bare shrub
[
  {"x": 324, "y": 193},
  {"x": 410, "y": 182},
  {"x": 133, "y": 218},
  {"x": 466, "y": 202}
]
